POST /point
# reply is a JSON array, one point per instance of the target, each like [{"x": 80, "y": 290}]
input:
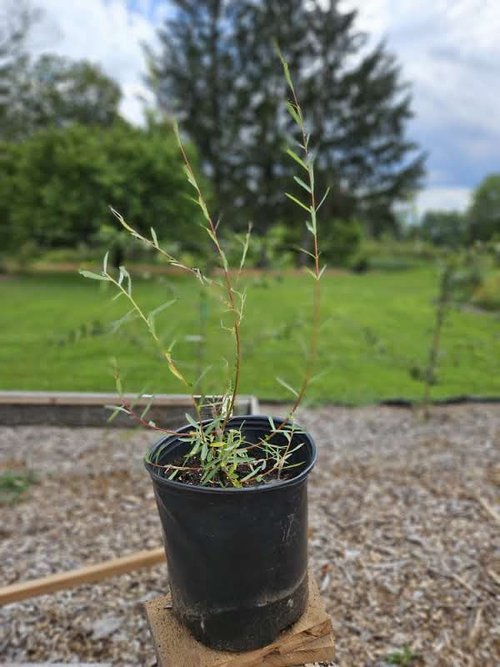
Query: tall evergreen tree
[
  {"x": 193, "y": 80},
  {"x": 218, "y": 72}
]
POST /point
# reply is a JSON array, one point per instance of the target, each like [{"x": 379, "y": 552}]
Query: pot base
[{"x": 247, "y": 629}]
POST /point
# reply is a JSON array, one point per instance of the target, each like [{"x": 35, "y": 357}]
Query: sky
[{"x": 449, "y": 51}]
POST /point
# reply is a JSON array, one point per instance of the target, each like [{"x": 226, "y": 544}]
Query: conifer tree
[{"x": 218, "y": 72}]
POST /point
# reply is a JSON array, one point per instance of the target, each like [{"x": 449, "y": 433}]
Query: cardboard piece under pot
[{"x": 309, "y": 640}]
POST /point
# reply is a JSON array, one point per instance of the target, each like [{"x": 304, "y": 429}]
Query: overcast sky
[{"x": 449, "y": 51}]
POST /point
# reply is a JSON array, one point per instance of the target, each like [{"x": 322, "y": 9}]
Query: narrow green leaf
[
  {"x": 130, "y": 315},
  {"x": 190, "y": 420},
  {"x": 162, "y": 307},
  {"x": 121, "y": 220},
  {"x": 121, "y": 274},
  {"x": 286, "y": 69},
  {"x": 125, "y": 274},
  {"x": 302, "y": 184},
  {"x": 287, "y": 386},
  {"x": 154, "y": 237},
  {"x": 116, "y": 410},
  {"x": 151, "y": 324},
  {"x": 251, "y": 474},
  {"x": 105, "y": 263},
  {"x": 246, "y": 244},
  {"x": 294, "y": 113},
  {"x": 93, "y": 276},
  {"x": 203, "y": 207},
  {"x": 173, "y": 368},
  {"x": 208, "y": 478},
  {"x": 147, "y": 407},
  {"x": 306, "y": 252},
  {"x": 297, "y": 159},
  {"x": 298, "y": 202},
  {"x": 327, "y": 192}
]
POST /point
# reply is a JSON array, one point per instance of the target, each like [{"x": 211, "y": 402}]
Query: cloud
[
  {"x": 450, "y": 53},
  {"x": 449, "y": 199},
  {"x": 108, "y": 32}
]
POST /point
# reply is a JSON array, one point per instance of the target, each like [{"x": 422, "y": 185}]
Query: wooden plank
[
  {"x": 77, "y": 410},
  {"x": 26, "y": 408},
  {"x": 96, "y": 398},
  {"x": 83, "y": 575},
  {"x": 78, "y": 398},
  {"x": 309, "y": 640}
]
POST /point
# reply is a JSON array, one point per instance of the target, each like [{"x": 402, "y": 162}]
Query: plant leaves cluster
[
  {"x": 221, "y": 451},
  {"x": 226, "y": 459}
]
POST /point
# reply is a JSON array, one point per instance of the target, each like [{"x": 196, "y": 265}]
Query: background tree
[
  {"x": 484, "y": 213},
  {"x": 56, "y": 91},
  {"x": 193, "y": 80},
  {"x": 57, "y": 185},
  {"x": 217, "y": 70},
  {"x": 444, "y": 228},
  {"x": 64, "y": 91}
]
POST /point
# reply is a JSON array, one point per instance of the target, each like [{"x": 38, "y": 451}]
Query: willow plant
[{"x": 217, "y": 453}]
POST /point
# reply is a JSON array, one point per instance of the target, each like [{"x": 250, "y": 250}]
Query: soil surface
[{"x": 404, "y": 538}]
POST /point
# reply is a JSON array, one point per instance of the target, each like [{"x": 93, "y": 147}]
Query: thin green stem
[
  {"x": 441, "y": 312},
  {"x": 212, "y": 232},
  {"x": 296, "y": 113}
]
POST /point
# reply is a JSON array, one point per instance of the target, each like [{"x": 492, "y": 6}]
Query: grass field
[{"x": 53, "y": 336}]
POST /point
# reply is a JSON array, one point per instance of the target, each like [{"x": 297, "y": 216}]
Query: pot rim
[{"x": 257, "y": 488}]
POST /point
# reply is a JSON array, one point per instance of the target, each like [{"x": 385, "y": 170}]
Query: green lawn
[{"x": 53, "y": 337}]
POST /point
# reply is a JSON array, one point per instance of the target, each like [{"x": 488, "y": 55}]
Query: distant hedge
[{"x": 57, "y": 185}]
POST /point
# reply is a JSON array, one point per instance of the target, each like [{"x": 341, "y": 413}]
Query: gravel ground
[{"x": 404, "y": 525}]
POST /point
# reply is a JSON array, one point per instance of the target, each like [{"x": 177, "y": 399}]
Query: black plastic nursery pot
[{"x": 237, "y": 558}]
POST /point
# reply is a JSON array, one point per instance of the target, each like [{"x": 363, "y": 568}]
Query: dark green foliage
[
  {"x": 459, "y": 275},
  {"x": 484, "y": 214},
  {"x": 14, "y": 485},
  {"x": 389, "y": 254},
  {"x": 467, "y": 277},
  {"x": 57, "y": 186},
  {"x": 487, "y": 294},
  {"x": 272, "y": 250},
  {"x": 218, "y": 72},
  {"x": 341, "y": 241},
  {"x": 404, "y": 657},
  {"x": 444, "y": 228}
]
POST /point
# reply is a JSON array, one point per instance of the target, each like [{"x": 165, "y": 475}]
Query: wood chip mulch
[{"x": 404, "y": 538}]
